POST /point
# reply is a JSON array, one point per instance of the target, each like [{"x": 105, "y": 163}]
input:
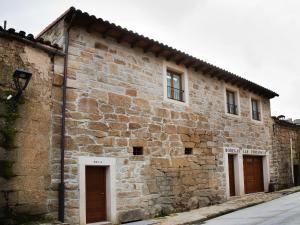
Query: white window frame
[
  {"x": 237, "y": 100},
  {"x": 168, "y": 66},
  {"x": 259, "y": 104}
]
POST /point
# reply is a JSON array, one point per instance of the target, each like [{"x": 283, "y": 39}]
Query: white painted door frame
[
  {"x": 239, "y": 168},
  {"x": 110, "y": 164}
]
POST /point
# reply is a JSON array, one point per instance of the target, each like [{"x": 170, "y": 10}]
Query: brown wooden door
[
  {"x": 231, "y": 174},
  {"x": 95, "y": 194},
  {"x": 253, "y": 174}
]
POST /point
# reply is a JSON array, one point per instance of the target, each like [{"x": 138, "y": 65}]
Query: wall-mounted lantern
[{"x": 21, "y": 79}]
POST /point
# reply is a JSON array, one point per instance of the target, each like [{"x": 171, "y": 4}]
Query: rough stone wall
[
  {"x": 115, "y": 102},
  {"x": 285, "y": 139},
  {"x": 55, "y": 34},
  {"x": 297, "y": 160},
  {"x": 30, "y": 185},
  {"x": 55, "y": 138},
  {"x": 296, "y": 145}
]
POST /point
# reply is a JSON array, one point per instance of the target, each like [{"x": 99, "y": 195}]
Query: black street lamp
[{"x": 21, "y": 79}]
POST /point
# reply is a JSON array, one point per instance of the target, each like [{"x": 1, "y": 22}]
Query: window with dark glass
[
  {"x": 255, "y": 110},
  {"x": 232, "y": 107},
  {"x": 137, "y": 150},
  {"x": 174, "y": 86},
  {"x": 188, "y": 151}
]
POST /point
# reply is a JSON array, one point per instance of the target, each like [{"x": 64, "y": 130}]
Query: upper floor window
[
  {"x": 232, "y": 107},
  {"x": 255, "y": 110},
  {"x": 174, "y": 86}
]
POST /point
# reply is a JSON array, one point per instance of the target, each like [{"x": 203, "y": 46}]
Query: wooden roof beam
[
  {"x": 220, "y": 75},
  {"x": 235, "y": 82},
  {"x": 170, "y": 56},
  {"x": 215, "y": 73},
  {"x": 148, "y": 48},
  {"x": 106, "y": 31},
  {"x": 206, "y": 69},
  {"x": 180, "y": 60},
  {"x": 227, "y": 78},
  {"x": 89, "y": 28},
  {"x": 249, "y": 87},
  {"x": 243, "y": 85},
  {"x": 159, "y": 52},
  {"x": 192, "y": 63},
  {"x": 133, "y": 42},
  {"x": 92, "y": 24},
  {"x": 199, "y": 67},
  {"x": 122, "y": 38}
]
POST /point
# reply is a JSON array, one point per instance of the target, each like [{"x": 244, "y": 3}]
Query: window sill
[
  {"x": 169, "y": 100},
  {"x": 257, "y": 121},
  {"x": 232, "y": 115},
  {"x": 137, "y": 158}
]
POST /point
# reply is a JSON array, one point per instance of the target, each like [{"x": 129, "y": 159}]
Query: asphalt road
[{"x": 282, "y": 211}]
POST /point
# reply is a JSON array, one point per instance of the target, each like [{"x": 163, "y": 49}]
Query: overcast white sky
[{"x": 258, "y": 40}]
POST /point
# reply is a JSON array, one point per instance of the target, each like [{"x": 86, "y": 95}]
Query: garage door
[{"x": 253, "y": 174}]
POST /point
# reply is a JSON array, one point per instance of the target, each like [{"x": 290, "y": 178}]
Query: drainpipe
[
  {"x": 61, "y": 193},
  {"x": 298, "y": 148},
  {"x": 292, "y": 160}
]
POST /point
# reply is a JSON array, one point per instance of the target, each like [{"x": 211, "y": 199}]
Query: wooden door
[
  {"x": 95, "y": 194},
  {"x": 231, "y": 174},
  {"x": 296, "y": 175},
  {"x": 253, "y": 174}
]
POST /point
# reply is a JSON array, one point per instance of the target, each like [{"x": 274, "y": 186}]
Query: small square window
[
  {"x": 188, "y": 151},
  {"x": 137, "y": 150},
  {"x": 231, "y": 98}
]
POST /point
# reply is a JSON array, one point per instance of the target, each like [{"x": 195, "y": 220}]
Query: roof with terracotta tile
[
  {"x": 135, "y": 40},
  {"x": 30, "y": 39}
]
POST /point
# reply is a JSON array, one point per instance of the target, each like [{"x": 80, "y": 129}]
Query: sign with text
[
  {"x": 254, "y": 152},
  {"x": 234, "y": 150}
]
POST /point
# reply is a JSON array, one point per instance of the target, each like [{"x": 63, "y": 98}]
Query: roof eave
[
  {"x": 107, "y": 29},
  {"x": 58, "y": 19},
  {"x": 30, "y": 40}
]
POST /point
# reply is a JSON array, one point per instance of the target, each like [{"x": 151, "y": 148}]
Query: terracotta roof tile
[
  {"x": 121, "y": 34},
  {"x": 21, "y": 35}
]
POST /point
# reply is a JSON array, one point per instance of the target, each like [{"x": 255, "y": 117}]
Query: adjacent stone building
[
  {"x": 146, "y": 130},
  {"x": 285, "y": 154},
  {"x": 27, "y": 190}
]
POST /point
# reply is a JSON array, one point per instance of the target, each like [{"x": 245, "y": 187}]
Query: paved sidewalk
[
  {"x": 285, "y": 210},
  {"x": 205, "y": 213}
]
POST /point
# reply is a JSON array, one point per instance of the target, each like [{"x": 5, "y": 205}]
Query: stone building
[
  {"x": 285, "y": 153},
  {"x": 145, "y": 130},
  {"x": 28, "y": 188}
]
